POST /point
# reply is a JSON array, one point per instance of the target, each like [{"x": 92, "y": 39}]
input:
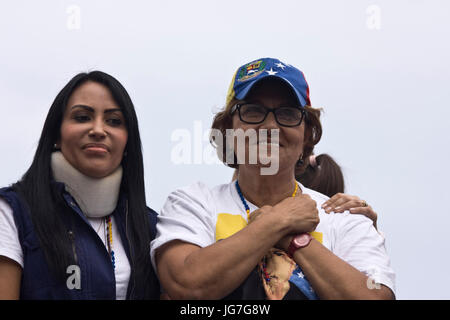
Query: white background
[{"x": 380, "y": 70}]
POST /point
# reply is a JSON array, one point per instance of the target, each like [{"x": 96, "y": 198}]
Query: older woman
[{"x": 265, "y": 235}]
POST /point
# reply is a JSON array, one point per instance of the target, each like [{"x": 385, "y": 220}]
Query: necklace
[
  {"x": 244, "y": 202},
  {"x": 109, "y": 240},
  {"x": 263, "y": 265}
]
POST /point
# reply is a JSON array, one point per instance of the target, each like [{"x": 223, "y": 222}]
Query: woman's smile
[
  {"x": 94, "y": 121},
  {"x": 96, "y": 149}
]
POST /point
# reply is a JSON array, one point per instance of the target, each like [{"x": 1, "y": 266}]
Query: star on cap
[
  {"x": 271, "y": 72},
  {"x": 280, "y": 65}
]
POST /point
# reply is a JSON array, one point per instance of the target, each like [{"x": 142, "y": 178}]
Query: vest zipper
[
  {"x": 132, "y": 273},
  {"x": 72, "y": 240}
]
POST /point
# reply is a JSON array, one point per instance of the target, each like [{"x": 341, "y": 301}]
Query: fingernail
[{"x": 337, "y": 208}]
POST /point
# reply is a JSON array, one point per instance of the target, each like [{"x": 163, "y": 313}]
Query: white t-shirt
[
  {"x": 10, "y": 246},
  {"x": 201, "y": 216}
]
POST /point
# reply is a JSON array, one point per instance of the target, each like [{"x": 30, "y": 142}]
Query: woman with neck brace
[{"x": 76, "y": 225}]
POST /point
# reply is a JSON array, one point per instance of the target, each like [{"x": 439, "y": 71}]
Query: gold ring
[{"x": 364, "y": 203}]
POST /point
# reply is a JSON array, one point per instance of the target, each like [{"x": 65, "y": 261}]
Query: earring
[
  {"x": 300, "y": 161},
  {"x": 55, "y": 146}
]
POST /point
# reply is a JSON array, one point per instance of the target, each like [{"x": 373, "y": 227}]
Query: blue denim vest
[{"x": 97, "y": 274}]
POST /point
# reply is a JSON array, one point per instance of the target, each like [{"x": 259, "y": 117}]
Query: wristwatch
[{"x": 298, "y": 242}]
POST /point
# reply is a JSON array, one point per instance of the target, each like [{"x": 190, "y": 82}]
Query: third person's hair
[{"x": 322, "y": 174}]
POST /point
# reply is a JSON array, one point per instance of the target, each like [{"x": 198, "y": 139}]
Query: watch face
[{"x": 302, "y": 239}]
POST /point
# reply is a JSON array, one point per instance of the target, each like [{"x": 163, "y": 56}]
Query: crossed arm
[{"x": 187, "y": 271}]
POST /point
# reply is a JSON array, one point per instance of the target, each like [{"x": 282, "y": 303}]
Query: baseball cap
[{"x": 249, "y": 74}]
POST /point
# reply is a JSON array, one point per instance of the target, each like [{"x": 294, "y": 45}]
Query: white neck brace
[{"x": 96, "y": 197}]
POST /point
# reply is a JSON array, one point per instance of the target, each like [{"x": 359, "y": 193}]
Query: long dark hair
[{"x": 45, "y": 203}]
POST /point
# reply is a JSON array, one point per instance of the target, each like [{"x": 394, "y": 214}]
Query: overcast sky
[{"x": 379, "y": 69}]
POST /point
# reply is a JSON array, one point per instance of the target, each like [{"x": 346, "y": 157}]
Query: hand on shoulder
[{"x": 341, "y": 202}]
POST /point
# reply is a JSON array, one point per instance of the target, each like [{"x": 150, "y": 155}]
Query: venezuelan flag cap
[{"x": 249, "y": 74}]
